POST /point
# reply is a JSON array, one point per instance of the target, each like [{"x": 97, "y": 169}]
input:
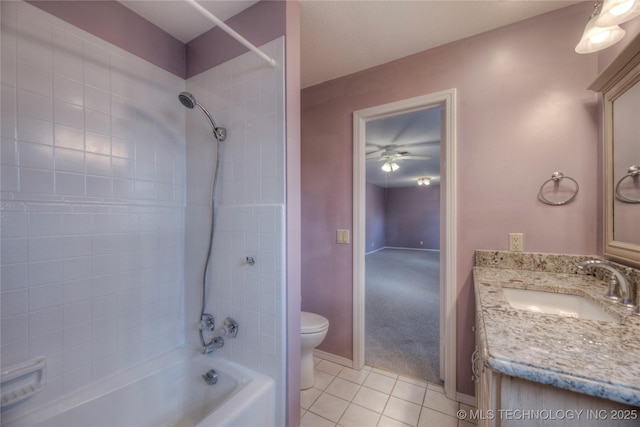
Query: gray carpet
[{"x": 402, "y": 306}]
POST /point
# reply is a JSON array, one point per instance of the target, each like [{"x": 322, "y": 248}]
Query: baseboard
[
  {"x": 406, "y": 249},
  {"x": 333, "y": 358},
  {"x": 411, "y": 249},
  {"x": 467, "y": 399},
  {"x": 374, "y": 251}
]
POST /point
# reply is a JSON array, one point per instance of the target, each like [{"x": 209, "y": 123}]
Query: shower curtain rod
[{"x": 227, "y": 29}]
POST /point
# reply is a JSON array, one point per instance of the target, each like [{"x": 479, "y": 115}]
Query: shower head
[{"x": 189, "y": 101}]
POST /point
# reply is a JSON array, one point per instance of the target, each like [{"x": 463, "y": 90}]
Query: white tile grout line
[{"x": 328, "y": 368}]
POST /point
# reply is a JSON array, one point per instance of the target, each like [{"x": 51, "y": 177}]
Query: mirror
[{"x": 620, "y": 85}]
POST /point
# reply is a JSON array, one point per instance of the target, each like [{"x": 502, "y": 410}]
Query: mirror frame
[{"x": 614, "y": 81}]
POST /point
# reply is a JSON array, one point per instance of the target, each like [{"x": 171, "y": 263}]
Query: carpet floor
[{"x": 402, "y": 312}]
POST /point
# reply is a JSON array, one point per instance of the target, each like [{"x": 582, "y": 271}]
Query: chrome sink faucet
[{"x": 621, "y": 289}]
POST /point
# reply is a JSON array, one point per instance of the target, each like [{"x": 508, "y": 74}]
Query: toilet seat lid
[{"x": 311, "y": 322}]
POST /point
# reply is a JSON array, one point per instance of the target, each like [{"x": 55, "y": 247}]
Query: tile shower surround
[
  {"x": 94, "y": 221},
  {"x": 247, "y": 98},
  {"x": 92, "y": 204}
]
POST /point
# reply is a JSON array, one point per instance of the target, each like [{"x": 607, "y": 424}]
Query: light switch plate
[{"x": 342, "y": 236}]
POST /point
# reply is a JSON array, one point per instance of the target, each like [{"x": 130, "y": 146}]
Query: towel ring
[
  {"x": 633, "y": 172},
  {"x": 556, "y": 177}
]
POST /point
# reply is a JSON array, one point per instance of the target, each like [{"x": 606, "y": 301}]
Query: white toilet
[{"x": 313, "y": 329}]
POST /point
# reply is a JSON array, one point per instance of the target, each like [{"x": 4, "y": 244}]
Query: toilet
[{"x": 313, "y": 329}]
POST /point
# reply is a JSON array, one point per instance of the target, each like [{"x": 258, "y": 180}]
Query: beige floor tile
[
  {"x": 353, "y": 375},
  {"x": 342, "y": 388},
  {"x": 308, "y": 396},
  {"x": 439, "y": 402},
  {"x": 390, "y": 422},
  {"x": 402, "y": 410},
  {"x": 329, "y": 407},
  {"x": 322, "y": 380},
  {"x": 385, "y": 373},
  {"x": 413, "y": 381},
  {"x": 431, "y": 418},
  {"x": 312, "y": 420},
  {"x": 329, "y": 367},
  {"x": 379, "y": 382},
  {"x": 436, "y": 387},
  {"x": 411, "y": 392},
  {"x": 371, "y": 399},
  {"x": 357, "y": 416}
]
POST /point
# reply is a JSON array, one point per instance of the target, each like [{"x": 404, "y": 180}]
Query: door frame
[{"x": 447, "y": 99}]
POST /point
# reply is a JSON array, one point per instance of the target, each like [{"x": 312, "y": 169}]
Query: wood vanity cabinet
[{"x": 506, "y": 401}]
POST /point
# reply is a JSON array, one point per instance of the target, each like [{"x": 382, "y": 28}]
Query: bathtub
[{"x": 165, "y": 391}]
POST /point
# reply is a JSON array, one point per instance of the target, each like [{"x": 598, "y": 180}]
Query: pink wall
[{"x": 523, "y": 111}]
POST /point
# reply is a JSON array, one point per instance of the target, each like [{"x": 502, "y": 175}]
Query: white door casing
[{"x": 446, "y": 98}]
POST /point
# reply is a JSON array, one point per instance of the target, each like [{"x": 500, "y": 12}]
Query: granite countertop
[{"x": 592, "y": 357}]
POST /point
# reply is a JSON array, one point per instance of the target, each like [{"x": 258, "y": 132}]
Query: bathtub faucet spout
[{"x": 213, "y": 345}]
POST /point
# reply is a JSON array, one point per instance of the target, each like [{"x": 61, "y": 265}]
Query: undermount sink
[{"x": 553, "y": 303}]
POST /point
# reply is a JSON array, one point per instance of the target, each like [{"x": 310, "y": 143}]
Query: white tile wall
[
  {"x": 93, "y": 197},
  {"x": 246, "y": 96}
]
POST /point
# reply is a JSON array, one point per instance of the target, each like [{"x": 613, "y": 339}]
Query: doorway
[
  {"x": 444, "y": 100},
  {"x": 402, "y": 262}
]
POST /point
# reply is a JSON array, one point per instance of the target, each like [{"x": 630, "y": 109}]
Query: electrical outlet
[{"x": 516, "y": 242}]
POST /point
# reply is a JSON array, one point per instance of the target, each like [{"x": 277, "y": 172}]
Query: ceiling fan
[{"x": 393, "y": 152}]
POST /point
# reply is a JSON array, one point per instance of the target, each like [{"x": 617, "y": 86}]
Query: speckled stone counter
[{"x": 592, "y": 357}]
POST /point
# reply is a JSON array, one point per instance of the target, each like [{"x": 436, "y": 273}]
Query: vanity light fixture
[
  {"x": 390, "y": 166},
  {"x": 424, "y": 181},
  {"x": 616, "y": 12},
  {"x": 596, "y": 38}
]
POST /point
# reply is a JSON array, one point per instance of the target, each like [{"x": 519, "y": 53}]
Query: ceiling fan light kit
[{"x": 390, "y": 166}]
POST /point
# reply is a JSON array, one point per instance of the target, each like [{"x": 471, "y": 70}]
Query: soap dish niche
[{"x": 20, "y": 382}]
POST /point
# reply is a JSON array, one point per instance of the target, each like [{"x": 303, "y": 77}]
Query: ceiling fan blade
[
  {"x": 420, "y": 143},
  {"x": 415, "y": 157}
]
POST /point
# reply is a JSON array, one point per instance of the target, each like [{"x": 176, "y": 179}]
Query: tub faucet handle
[
  {"x": 207, "y": 322},
  {"x": 230, "y": 327}
]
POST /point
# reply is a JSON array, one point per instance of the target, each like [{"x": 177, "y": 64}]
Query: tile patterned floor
[{"x": 344, "y": 397}]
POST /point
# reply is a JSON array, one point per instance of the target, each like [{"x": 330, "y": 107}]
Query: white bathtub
[{"x": 166, "y": 391}]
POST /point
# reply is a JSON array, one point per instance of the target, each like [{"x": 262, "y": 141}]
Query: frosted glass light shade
[
  {"x": 390, "y": 166},
  {"x": 597, "y": 38},
  {"x": 616, "y": 12}
]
